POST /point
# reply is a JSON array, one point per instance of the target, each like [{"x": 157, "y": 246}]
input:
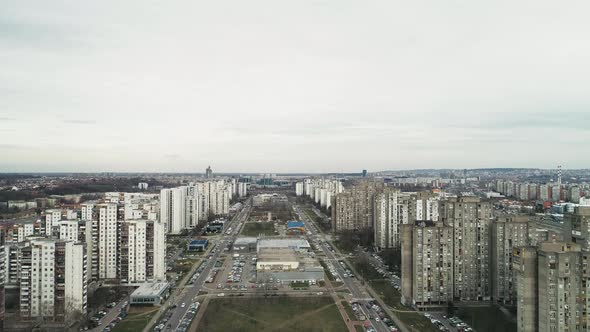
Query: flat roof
[
  {"x": 243, "y": 240},
  {"x": 196, "y": 242},
  {"x": 277, "y": 255},
  {"x": 150, "y": 289},
  {"x": 295, "y": 224},
  {"x": 283, "y": 243}
]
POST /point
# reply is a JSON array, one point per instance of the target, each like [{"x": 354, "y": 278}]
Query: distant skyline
[{"x": 293, "y": 87}]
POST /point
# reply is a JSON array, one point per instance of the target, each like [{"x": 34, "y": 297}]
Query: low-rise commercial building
[{"x": 150, "y": 294}]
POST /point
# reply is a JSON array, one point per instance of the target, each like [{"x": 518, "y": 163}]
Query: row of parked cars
[
  {"x": 235, "y": 275},
  {"x": 460, "y": 325},
  {"x": 190, "y": 315},
  {"x": 347, "y": 272},
  {"x": 383, "y": 268}
]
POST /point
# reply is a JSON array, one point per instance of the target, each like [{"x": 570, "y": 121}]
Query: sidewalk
[{"x": 347, "y": 320}]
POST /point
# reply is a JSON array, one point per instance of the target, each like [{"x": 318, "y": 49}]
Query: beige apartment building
[
  {"x": 427, "y": 264},
  {"x": 508, "y": 232},
  {"x": 470, "y": 218}
]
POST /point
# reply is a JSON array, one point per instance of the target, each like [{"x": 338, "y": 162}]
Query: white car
[{"x": 183, "y": 305}]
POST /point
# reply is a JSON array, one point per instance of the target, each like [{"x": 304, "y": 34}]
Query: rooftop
[
  {"x": 242, "y": 240},
  {"x": 151, "y": 289},
  {"x": 294, "y": 243},
  {"x": 291, "y": 224}
]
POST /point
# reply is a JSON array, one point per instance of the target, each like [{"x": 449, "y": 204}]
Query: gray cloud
[
  {"x": 297, "y": 86},
  {"x": 83, "y": 122}
]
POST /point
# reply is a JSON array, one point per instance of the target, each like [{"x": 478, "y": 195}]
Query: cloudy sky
[{"x": 281, "y": 86}]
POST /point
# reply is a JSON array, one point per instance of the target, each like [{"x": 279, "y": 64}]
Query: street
[
  {"x": 352, "y": 284},
  {"x": 190, "y": 292}
]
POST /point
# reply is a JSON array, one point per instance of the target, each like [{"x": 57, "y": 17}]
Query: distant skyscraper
[
  {"x": 364, "y": 173},
  {"x": 208, "y": 173}
]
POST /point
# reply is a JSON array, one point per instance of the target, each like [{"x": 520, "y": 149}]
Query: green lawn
[
  {"x": 135, "y": 321},
  {"x": 256, "y": 228},
  {"x": 272, "y": 314},
  {"x": 487, "y": 319},
  {"x": 349, "y": 311},
  {"x": 416, "y": 321},
  {"x": 390, "y": 295}
]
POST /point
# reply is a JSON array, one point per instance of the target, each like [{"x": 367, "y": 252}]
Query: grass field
[
  {"x": 255, "y": 228},
  {"x": 272, "y": 314},
  {"x": 135, "y": 321},
  {"x": 390, "y": 295},
  {"x": 487, "y": 319},
  {"x": 417, "y": 322},
  {"x": 349, "y": 310}
]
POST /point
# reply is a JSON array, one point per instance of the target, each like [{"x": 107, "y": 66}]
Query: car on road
[{"x": 183, "y": 305}]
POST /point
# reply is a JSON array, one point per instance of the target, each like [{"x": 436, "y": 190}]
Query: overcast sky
[{"x": 285, "y": 86}]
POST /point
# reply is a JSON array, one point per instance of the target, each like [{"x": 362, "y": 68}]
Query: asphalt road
[
  {"x": 111, "y": 315},
  {"x": 352, "y": 284},
  {"x": 190, "y": 292}
]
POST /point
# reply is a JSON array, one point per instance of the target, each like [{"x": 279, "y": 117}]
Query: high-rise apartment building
[
  {"x": 508, "y": 232},
  {"x": 524, "y": 265},
  {"x": 299, "y": 189},
  {"x": 573, "y": 194},
  {"x": 3, "y": 275},
  {"x": 53, "y": 280},
  {"x": 242, "y": 189},
  {"x": 52, "y": 218},
  {"x": 579, "y": 221},
  {"x": 427, "y": 264},
  {"x": 562, "y": 300},
  {"x": 386, "y": 219},
  {"x": 107, "y": 240},
  {"x": 173, "y": 209},
  {"x": 353, "y": 209},
  {"x": 470, "y": 219},
  {"x": 141, "y": 254}
]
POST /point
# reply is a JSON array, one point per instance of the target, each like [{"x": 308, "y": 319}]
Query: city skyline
[{"x": 298, "y": 87}]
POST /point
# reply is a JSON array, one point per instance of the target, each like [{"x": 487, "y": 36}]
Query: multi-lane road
[
  {"x": 191, "y": 291},
  {"x": 358, "y": 292}
]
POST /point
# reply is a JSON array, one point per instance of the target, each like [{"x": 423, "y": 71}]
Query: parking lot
[{"x": 238, "y": 272}]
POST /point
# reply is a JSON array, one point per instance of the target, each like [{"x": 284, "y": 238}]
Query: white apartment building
[
  {"x": 173, "y": 209},
  {"x": 132, "y": 251},
  {"x": 386, "y": 219},
  {"x": 53, "y": 280},
  {"x": 75, "y": 278},
  {"x": 159, "y": 251},
  {"x": 107, "y": 240},
  {"x": 87, "y": 210},
  {"x": 299, "y": 189},
  {"x": 242, "y": 189},
  {"x": 69, "y": 230},
  {"x": 52, "y": 217}
]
